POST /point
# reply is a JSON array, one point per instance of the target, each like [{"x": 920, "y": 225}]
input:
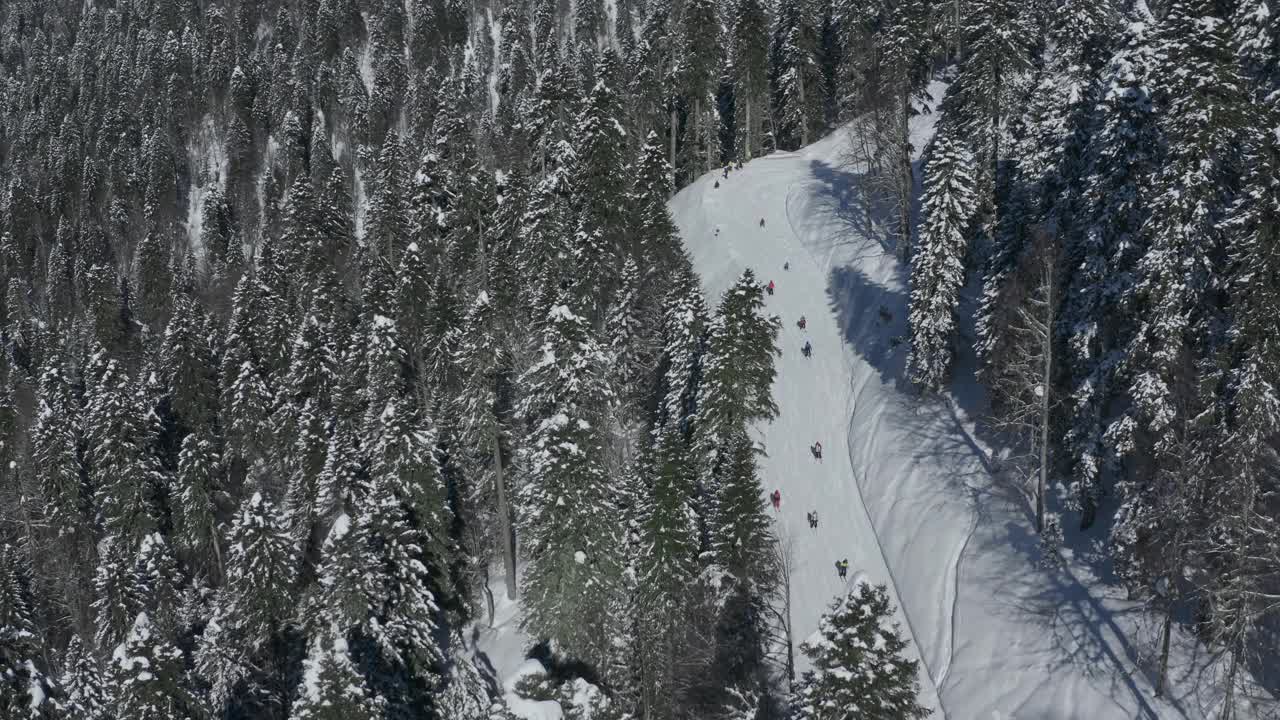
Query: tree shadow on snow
[{"x": 1092, "y": 628}]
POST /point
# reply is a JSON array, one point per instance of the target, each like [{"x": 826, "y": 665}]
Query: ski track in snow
[{"x": 912, "y": 502}]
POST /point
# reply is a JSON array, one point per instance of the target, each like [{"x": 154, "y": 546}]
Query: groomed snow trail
[{"x": 904, "y": 490}]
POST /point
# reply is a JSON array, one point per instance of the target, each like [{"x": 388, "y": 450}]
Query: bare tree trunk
[
  {"x": 1164, "y": 651},
  {"x": 217, "y": 550},
  {"x": 804, "y": 125},
  {"x": 504, "y": 519},
  {"x": 1046, "y": 395},
  {"x": 674, "y": 129},
  {"x": 1229, "y": 699},
  {"x": 906, "y": 180},
  {"x": 746, "y": 132},
  {"x": 488, "y": 592}
]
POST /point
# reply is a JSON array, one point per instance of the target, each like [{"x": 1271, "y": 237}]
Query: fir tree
[
  {"x": 86, "y": 694},
  {"x": 748, "y": 71},
  {"x": 937, "y": 268},
  {"x": 332, "y": 686},
  {"x": 126, "y": 480},
  {"x": 25, "y": 691},
  {"x": 148, "y": 675},
  {"x": 568, "y": 517},
  {"x": 251, "y": 610},
  {"x": 858, "y": 663}
]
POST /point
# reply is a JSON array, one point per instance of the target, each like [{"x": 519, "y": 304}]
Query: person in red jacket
[
  {"x": 777, "y": 499},
  {"x": 769, "y": 288}
]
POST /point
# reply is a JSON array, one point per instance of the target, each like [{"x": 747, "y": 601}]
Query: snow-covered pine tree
[
  {"x": 122, "y": 471},
  {"x": 997, "y": 36},
  {"x": 1257, "y": 41},
  {"x": 568, "y": 516},
  {"x": 301, "y": 422},
  {"x": 25, "y": 691},
  {"x": 749, "y": 73},
  {"x": 665, "y": 568},
  {"x": 544, "y": 252},
  {"x": 189, "y": 366},
  {"x": 794, "y": 75},
  {"x": 488, "y": 375},
  {"x": 1246, "y": 559},
  {"x": 738, "y": 370},
  {"x": 655, "y": 240},
  {"x": 685, "y": 323},
  {"x": 1180, "y": 293},
  {"x": 406, "y": 519},
  {"x": 696, "y": 75},
  {"x": 633, "y": 348},
  {"x": 86, "y": 694},
  {"x": 199, "y": 483},
  {"x": 240, "y": 645},
  {"x": 601, "y": 231},
  {"x": 858, "y": 663},
  {"x": 148, "y": 677},
  {"x": 1098, "y": 319},
  {"x": 54, "y": 458},
  {"x": 386, "y": 223},
  {"x": 332, "y": 686},
  {"x": 937, "y": 266},
  {"x": 652, "y": 86}
]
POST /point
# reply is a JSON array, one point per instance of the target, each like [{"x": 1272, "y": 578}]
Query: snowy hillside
[{"x": 905, "y": 488}]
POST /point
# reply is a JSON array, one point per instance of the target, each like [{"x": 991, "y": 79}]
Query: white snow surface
[{"x": 905, "y": 489}]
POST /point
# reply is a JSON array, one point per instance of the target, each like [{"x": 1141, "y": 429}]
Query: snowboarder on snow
[
  {"x": 813, "y": 519},
  {"x": 807, "y": 350},
  {"x": 816, "y": 450},
  {"x": 769, "y": 288},
  {"x": 801, "y": 323},
  {"x": 776, "y": 497}
]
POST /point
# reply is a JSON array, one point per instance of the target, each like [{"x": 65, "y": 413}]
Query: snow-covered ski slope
[{"x": 905, "y": 489}]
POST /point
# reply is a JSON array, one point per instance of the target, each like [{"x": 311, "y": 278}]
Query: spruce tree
[
  {"x": 251, "y": 611},
  {"x": 86, "y": 693},
  {"x": 332, "y": 686},
  {"x": 127, "y": 484},
  {"x": 598, "y": 178},
  {"x": 148, "y": 676},
  {"x": 568, "y": 516},
  {"x": 1099, "y": 296},
  {"x": 25, "y": 691},
  {"x": 937, "y": 267},
  {"x": 488, "y": 370},
  {"x": 748, "y": 72},
  {"x": 858, "y": 663}
]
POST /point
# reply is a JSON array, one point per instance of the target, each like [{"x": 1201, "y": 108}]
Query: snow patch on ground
[
  {"x": 906, "y": 489},
  {"x": 207, "y": 158}
]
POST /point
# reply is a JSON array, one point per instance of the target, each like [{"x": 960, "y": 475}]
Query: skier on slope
[
  {"x": 769, "y": 288},
  {"x": 842, "y": 568},
  {"x": 813, "y": 520},
  {"x": 801, "y": 323},
  {"x": 761, "y": 222},
  {"x": 786, "y": 265},
  {"x": 776, "y": 497},
  {"x": 807, "y": 350},
  {"x": 816, "y": 450}
]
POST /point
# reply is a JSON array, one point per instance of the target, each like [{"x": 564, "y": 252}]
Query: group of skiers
[
  {"x": 733, "y": 165},
  {"x": 842, "y": 566}
]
